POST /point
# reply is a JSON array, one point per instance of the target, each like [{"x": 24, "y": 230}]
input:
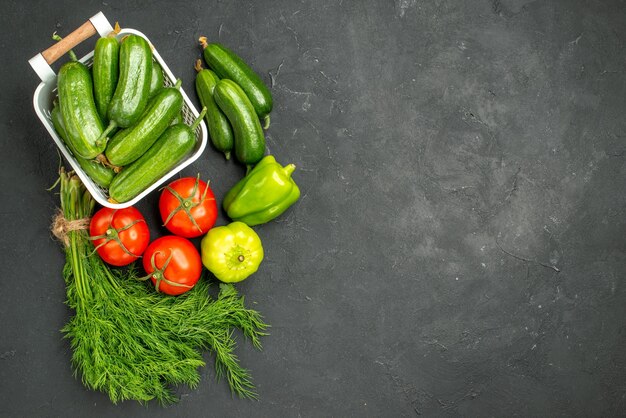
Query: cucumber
[
  {"x": 178, "y": 119},
  {"x": 219, "y": 128},
  {"x": 100, "y": 174},
  {"x": 105, "y": 72},
  {"x": 129, "y": 144},
  {"x": 77, "y": 105},
  {"x": 175, "y": 143},
  {"x": 227, "y": 64},
  {"x": 133, "y": 87},
  {"x": 156, "y": 79},
  {"x": 249, "y": 139}
]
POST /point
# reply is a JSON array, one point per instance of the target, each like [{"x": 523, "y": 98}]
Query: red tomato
[
  {"x": 188, "y": 208},
  {"x": 173, "y": 264},
  {"x": 119, "y": 235}
]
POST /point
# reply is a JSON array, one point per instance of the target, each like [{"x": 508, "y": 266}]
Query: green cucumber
[
  {"x": 174, "y": 145},
  {"x": 133, "y": 87},
  {"x": 105, "y": 72},
  {"x": 227, "y": 64},
  {"x": 156, "y": 79},
  {"x": 80, "y": 116},
  {"x": 100, "y": 174},
  {"x": 130, "y": 143},
  {"x": 178, "y": 119},
  {"x": 249, "y": 139},
  {"x": 219, "y": 128}
]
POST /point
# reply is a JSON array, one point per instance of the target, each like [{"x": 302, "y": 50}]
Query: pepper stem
[
  {"x": 241, "y": 258},
  {"x": 289, "y": 169},
  {"x": 266, "y": 122},
  {"x": 179, "y": 83}
]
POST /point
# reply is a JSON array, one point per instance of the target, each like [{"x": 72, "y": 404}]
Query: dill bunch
[{"x": 133, "y": 343}]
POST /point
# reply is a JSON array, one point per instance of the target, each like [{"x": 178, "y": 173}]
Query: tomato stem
[
  {"x": 112, "y": 234},
  {"x": 187, "y": 203},
  {"x": 158, "y": 274}
]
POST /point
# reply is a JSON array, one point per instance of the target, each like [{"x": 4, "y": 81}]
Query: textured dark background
[{"x": 449, "y": 152}]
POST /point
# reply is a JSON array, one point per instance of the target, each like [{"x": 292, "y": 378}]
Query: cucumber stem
[
  {"x": 71, "y": 53},
  {"x": 196, "y": 122},
  {"x": 203, "y": 41},
  {"x": 102, "y": 159},
  {"x": 198, "y": 66},
  {"x": 227, "y": 155},
  {"x": 179, "y": 83},
  {"x": 266, "y": 121},
  {"x": 103, "y": 139}
]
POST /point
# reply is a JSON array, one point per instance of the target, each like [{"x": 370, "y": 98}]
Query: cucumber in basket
[
  {"x": 175, "y": 143},
  {"x": 80, "y": 116},
  {"x": 100, "y": 174},
  {"x": 105, "y": 72},
  {"x": 178, "y": 119},
  {"x": 133, "y": 86},
  {"x": 129, "y": 144},
  {"x": 156, "y": 79}
]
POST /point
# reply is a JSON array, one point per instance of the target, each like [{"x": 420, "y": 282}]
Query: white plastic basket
[{"x": 46, "y": 92}]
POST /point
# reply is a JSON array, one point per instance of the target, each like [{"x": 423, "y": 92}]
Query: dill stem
[{"x": 76, "y": 268}]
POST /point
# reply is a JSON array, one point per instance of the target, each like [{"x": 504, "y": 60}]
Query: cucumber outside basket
[{"x": 46, "y": 93}]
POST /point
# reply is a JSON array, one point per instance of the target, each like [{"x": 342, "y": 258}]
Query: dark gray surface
[{"x": 439, "y": 145}]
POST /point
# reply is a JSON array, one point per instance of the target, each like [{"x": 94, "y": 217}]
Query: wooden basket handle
[
  {"x": 57, "y": 50},
  {"x": 41, "y": 62}
]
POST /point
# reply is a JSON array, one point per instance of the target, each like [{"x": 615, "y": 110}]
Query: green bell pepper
[{"x": 266, "y": 192}]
